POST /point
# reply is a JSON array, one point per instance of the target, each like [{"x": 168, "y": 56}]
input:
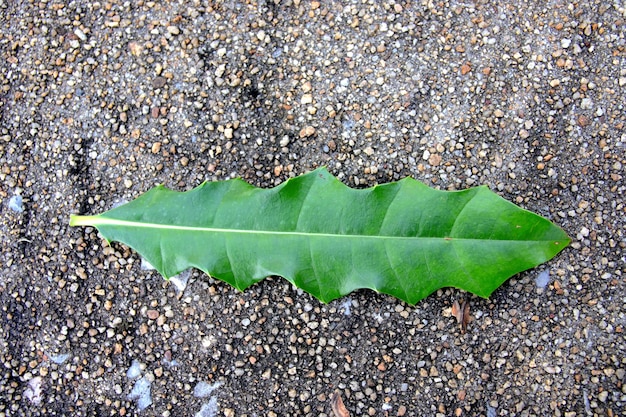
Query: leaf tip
[{"x": 563, "y": 242}]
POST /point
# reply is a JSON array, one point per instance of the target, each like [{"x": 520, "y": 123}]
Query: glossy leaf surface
[{"x": 403, "y": 238}]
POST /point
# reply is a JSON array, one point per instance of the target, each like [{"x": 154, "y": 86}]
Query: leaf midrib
[{"x": 103, "y": 221}]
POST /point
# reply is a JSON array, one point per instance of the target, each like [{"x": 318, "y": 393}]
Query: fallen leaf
[
  {"x": 461, "y": 311},
  {"x": 336, "y": 403},
  {"x": 388, "y": 232}
]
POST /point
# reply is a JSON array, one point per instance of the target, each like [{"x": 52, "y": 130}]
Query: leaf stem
[{"x": 79, "y": 220}]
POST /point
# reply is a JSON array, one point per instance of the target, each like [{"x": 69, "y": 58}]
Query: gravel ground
[{"x": 100, "y": 101}]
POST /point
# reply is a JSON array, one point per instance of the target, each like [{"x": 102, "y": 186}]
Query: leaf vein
[{"x": 101, "y": 221}]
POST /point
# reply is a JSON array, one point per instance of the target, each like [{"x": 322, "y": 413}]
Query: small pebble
[
  {"x": 81, "y": 35},
  {"x": 59, "y": 359},
  {"x": 180, "y": 281},
  {"x": 307, "y": 131},
  {"x": 153, "y": 314},
  {"x": 542, "y": 279},
  {"x": 586, "y": 103},
  {"x": 16, "y": 203},
  {"x": 159, "y": 82}
]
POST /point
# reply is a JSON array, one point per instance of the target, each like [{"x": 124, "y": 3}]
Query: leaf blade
[{"x": 403, "y": 239}]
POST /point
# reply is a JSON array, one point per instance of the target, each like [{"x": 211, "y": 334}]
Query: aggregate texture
[{"x": 99, "y": 101}]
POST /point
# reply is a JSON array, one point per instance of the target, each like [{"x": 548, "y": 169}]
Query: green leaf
[{"x": 403, "y": 238}]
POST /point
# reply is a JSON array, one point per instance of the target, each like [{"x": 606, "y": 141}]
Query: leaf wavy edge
[{"x": 108, "y": 220}]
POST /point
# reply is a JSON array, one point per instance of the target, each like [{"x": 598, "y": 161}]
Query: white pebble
[
  {"x": 347, "y": 307},
  {"x": 146, "y": 266},
  {"x": 208, "y": 409},
  {"x": 220, "y": 70},
  {"x": 33, "y": 392},
  {"x": 81, "y": 35},
  {"x": 141, "y": 393},
  {"x": 174, "y": 30},
  {"x": 204, "y": 389},
  {"x": 134, "y": 371},
  {"x": 59, "y": 359},
  {"x": 16, "y": 203},
  {"x": 542, "y": 279},
  {"x": 180, "y": 280}
]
